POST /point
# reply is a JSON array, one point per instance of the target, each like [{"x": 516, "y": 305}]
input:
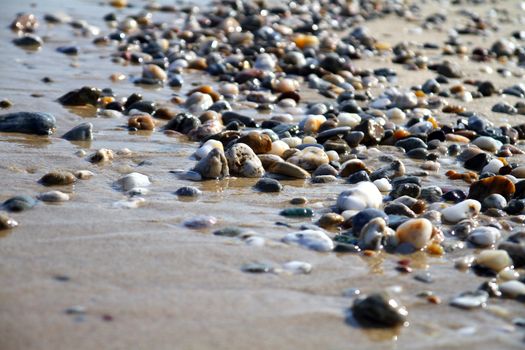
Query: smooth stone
[
  {"x": 188, "y": 191},
  {"x": 352, "y": 166},
  {"x": 325, "y": 169},
  {"x": 363, "y": 195},
  {"x": 487, "y": 143},
  {"x": 288, "y": 169},
  {"x": 493, "y": 166},
  {"x": 372, "y": 235},
  {"x": 483, "y": 188},
  {"x": 268, "y": 185},
  {"x": 495, "y": 260},
  {"x": 383, "y": 185},
  {"x": 58, "y": 178},
  {"x": 6, "y": 222},
  {"x": 19, "y": 203},
  {"x": 354, "y": 138},
  {"x": 242, "y": 161},
  {"x": 299, "y": 201},
  {"x": 311, "y": 239},
  {"x": 484, "y": 237},
  {"x": 477, "y": 162},
  {"x": 297, "y": 212},
  {"x": 200, "y": 222},
  {"x": 379, "y": 311},
  {"x": 416, "y": 232},
  {"x": 38, "y": 123},
  {"x": 360, "y": 219},
  {"x": 131, "y": 181},
  {"x": 29, "y": 41},
  {"x": 206, "y": 148},
  {"x": 279, "y": 147},
  {"x": 360, "y": 176},
  {"x": 258, "y": 142},
  {"x": 518, "y": 172},
  {"x": 330, "y": 220},
  {"x": 424, "y": 277},
  {"x": 494, "y": 200},
  {"x": 198, "y": 102},
  {"x": 505, "y": 108},
  {"x": 68, "y": 50},
  {"x": 81, "y": 97},
  {"x": 390, "y": 171},
  {"x": 323, "y": 179},
  {"x": 81, "y": 132},
  {"x": 372, "y": 130},
  {"x": 470, "y": 300},
  {"x": 297, "y": 267},
  {"x": 393, "y": 208},
  {"x": 213, "y": 166},
  {"x": 406, "y": 189},
  {"x": 466, "y": 209},
  {"x": 257, "y": 268},
  {"x": 411, "y": 143},
  {"x": 102, "y": 155},
  {"x": 183, "y": 123},
  {"x": 53, "y": 196},
  {"x": 512, "y": 289},
  {"x": 431, "y": 194},
  {"x": 309, "y": 158},
  {"x": 228, "y": 232}
]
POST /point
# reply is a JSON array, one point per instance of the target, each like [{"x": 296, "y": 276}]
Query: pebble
[
  {"x": 504, "y": 107},
  {"x": 512, "y": 289},
  {"x": 58, "y": 178},
  {"x": 470, "y": 300},
  {"x": 494, "y": 200},
  {"x": 289, "y": 170},
  {"x": 242, "y": 161},
  {"x": 360, "y": 219},
  {"x": 487, "y": 143},
  {"x": 198, "y": 102},
  {"x": 258, "y": 142},
  {"x": 363, "y": 195},
  {"x": 311, "y": 239},
  {"x": 383, "y": 185},
  {"x": 38, "y": 123},
  {"x": 379, "y": 311},
  {"x": 103, "y": 155},
  {"x": 416, "y": 232},
  {"x": 213, "y": 166},
  {"x": 297, "y": 267},
  {"x": 268, "y": 185},
  {"x": 484, "y": 237},
  {"x": 200, "y": 222},
  {"x": 188, "y": 191},
  {"x": 373, "y": 234},
  {"x": 29, "y": 41},
  {"x": 53, "y": 196},
  {"x": 495, "y": 260},
  {"x": 466, "y": 209},
  {"x": 132, "y": 181},
  {"x": 257, "y": 268},
  {"x": 6, "y": 222},
  {"x": 309, "y": 158},
  {"x": 297, "y": 212},
  {"x": 80, "y": 97},
  {"x": 483, "y": 188},
  {"x": 19, "y": 203},
  {"x": 81, "y": 132},
  {"x": 278, "y": 148}
]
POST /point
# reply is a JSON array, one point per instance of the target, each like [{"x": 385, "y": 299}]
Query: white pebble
[
  {"x": 467, "y": 209},
  {"x": 493, "y": 166},
  {"x": 297, "y": 267},
  {"x": 132, "y": 181},
  {"x": 53, "y": 196},
  {"x": 311, "y": 239},
  {"x": 207, "y": 147},
  {"x": 383, "y": 185},
  {"x": 364, "y": 195},
  {"x": 495, "y": 260},
  {"x": 278, "y": 148},
  {"x": 349, "y": 119}
]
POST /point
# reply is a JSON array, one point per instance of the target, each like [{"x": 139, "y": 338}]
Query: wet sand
[{"x": 165, "y": 286}]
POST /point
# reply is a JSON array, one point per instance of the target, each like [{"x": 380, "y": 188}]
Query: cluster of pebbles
[{"x": 262, "y": 57}]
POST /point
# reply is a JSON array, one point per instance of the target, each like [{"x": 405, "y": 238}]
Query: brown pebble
[
  {"x": 142, "y": 122},
  {"x": 5, "y": 104},
  {"x": 102, "y": 155},
  {"x": 433, "y": 299},
  {"x": 298, "y": 201},
  {"x": 453, "y": 109},
  {"x": 489, "y": 185},
  {"x": 164, "y": 113},
  {"x": 6, "y": 222},
  {"x": 56, "y": 178},
  {"x": 329, "y": 220},
  {"x": 404, "y": 269},
  {"x": 258, "y": 142}
]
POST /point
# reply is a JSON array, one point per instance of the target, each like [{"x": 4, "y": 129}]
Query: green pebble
[{"x": 298, "y": 212}]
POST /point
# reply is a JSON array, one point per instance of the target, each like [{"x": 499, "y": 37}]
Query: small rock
[
  {"x": 311, "y": 239},
  {"x": 496, "y": 260},
  {"x": 466, "y": 209},
  {"x": 132, "y": 181},
  {"x": 38, "y": 123},
  {"x": 416, "y": 232},
  {"x": 213, "y": 166},
  {"x": 364, "y": 195},
  {"x": 81, "y": 97},
  {"x": 481, "y": 189},
  {"x": 288, "y": 169},
  {"x": 82, "y": 132},
  {"x": 58, "y": 178},
  {"x": 53, "y": 196},
  {"x": 103, "y": 155},
  {"x": 268, "y": 185},
  {"x": 379, "y": 311},
  {"x": 242, "y": 161},
  {"x": 19, "y": 203},
  {"x": 297, "y": 212},
  {"x": 484, "y": 237},
  {"x": 200, "y": 222},
  {"x": 512, "y": 289},
  {"x": 470, "y": 300},
  {"x": 188, "y": 191},
  {"x": 6, "y": 222},
  {"x": 297, "y": 267}
]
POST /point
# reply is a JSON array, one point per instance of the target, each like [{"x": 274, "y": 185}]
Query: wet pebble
[
  {"x": 379, "y": 311},
  {"x": 268, "y": 185},
  {"x": 58, "y": 178},
  {"x": 484, "y": 237},
  {"x": 132, "y": 181},
  {"x": 495, "y": 260},
  {"x": 200, "y": 222},
  {"x": 464, "y": 210},
  {"x": 53, "y": 196},
  {"x": 311, "y": 239},
  {"x": 188, "y": 191},
  {"x": 7, "y": 222},
  {"x": 470, "y": 300},
  {"x": 37, "y": 123}
]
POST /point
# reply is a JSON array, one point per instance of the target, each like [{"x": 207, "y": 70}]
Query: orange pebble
[
  {"x": 420, "y": 93},
  {"x": 435, "y": 249},
  {"x": 142, "y": 122},
  {"x": 401, "y": 134},
  {"x": 433, "y": 299}
]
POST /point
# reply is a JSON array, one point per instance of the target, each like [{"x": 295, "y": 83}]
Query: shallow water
[{"x": 166, "y": 286}]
